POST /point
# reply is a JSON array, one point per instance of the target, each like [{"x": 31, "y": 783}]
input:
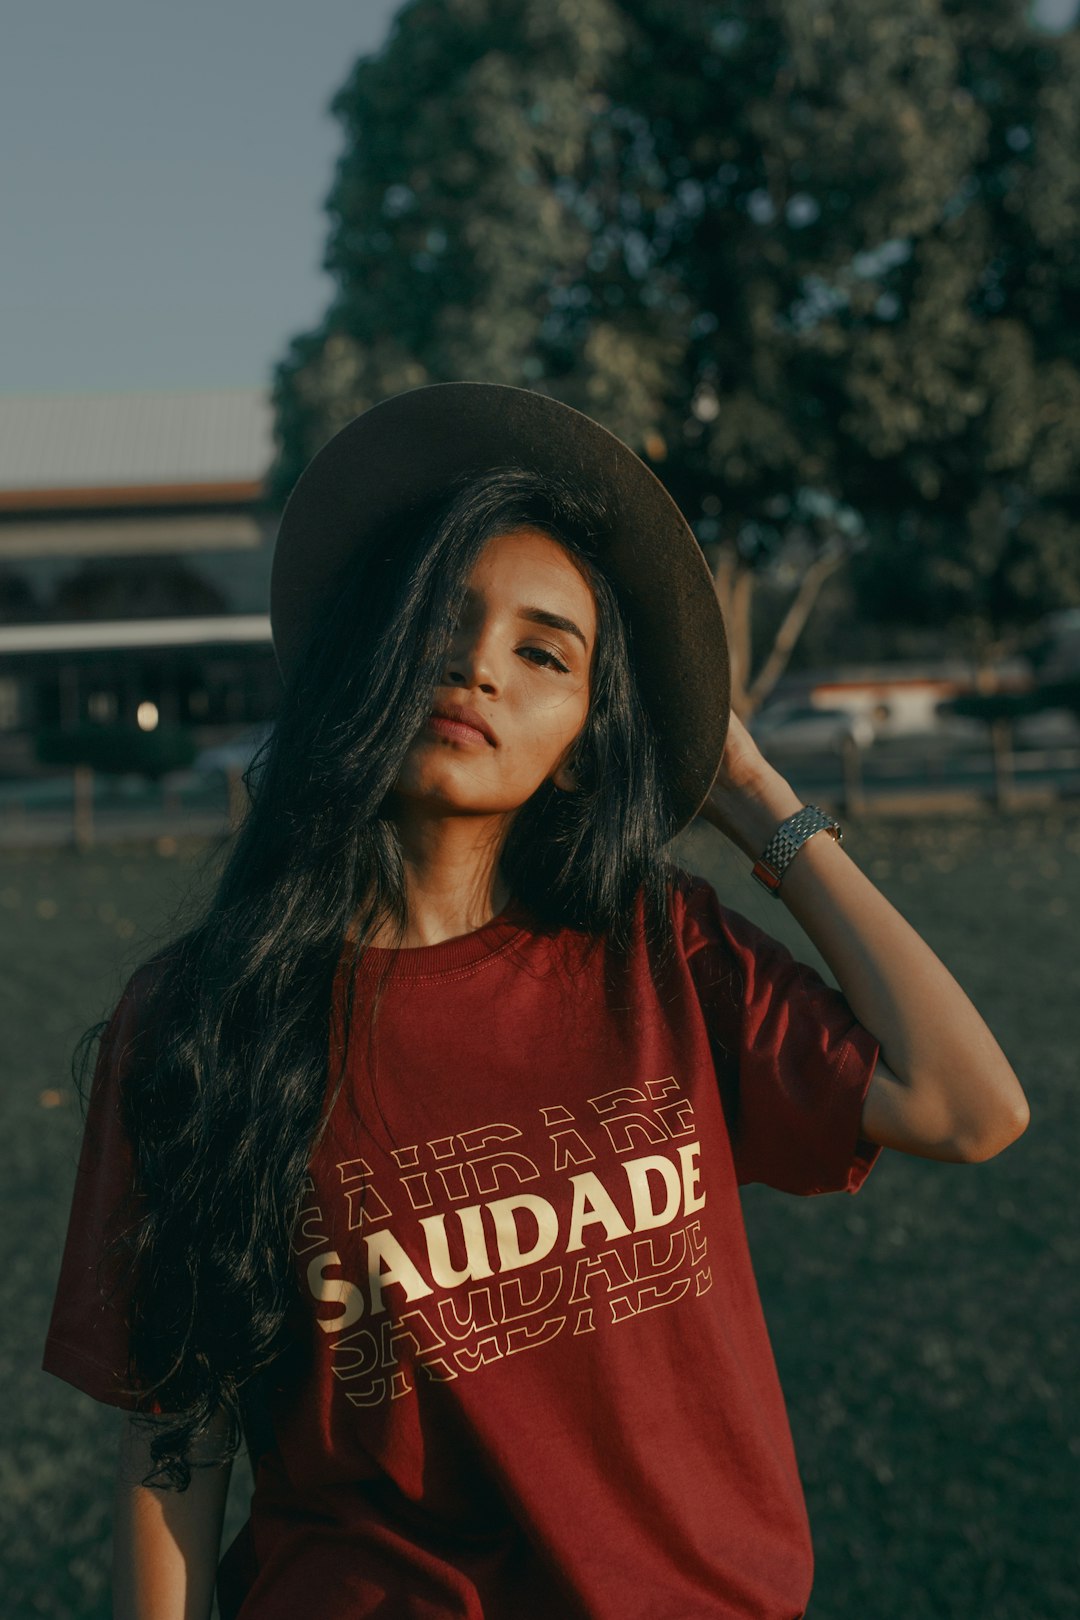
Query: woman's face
[{"x": 519, "y": 658}]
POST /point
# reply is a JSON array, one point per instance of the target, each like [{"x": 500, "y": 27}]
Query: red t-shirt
[{"x": 534, "y": 1380}]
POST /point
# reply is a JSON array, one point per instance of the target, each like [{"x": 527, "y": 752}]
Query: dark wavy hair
[{"x": 224, "y": 1096}]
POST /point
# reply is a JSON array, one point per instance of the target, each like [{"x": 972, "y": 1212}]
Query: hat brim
[{"x": 404, "y": 451}]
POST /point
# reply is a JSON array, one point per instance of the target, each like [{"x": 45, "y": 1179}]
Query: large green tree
[{"x": 816, "y": 262}]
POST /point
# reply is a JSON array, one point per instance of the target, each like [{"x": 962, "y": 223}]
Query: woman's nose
[{"x": 471, "y": 662}]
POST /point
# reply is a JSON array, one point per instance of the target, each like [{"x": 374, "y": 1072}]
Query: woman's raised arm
[
  {"x": 166, "y": 1544},
  {"x": 947, "y": 1091}
]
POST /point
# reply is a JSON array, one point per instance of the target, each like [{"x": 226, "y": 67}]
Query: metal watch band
[{"x": 786, "y": 842}]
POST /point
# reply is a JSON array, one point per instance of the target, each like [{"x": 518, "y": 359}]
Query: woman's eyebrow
[{"x": 555, "y": 621}]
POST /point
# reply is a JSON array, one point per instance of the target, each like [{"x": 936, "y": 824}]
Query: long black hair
[{"x": 224, "y": 1091}]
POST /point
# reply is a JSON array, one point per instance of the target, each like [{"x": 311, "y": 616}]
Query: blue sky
[{"x": 163, "y": 165}]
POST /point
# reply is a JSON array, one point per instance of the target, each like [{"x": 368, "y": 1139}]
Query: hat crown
[{"x": 405, "y": 452}]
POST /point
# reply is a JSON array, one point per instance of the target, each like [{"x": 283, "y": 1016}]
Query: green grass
[{"x": 921, "y": 1328}]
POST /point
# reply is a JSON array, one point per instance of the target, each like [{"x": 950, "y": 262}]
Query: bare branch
[{"x": 791, "y": 626}]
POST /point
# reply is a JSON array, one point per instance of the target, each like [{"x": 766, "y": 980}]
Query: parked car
[
  {"x": 1048, "y": 728},
  {"x": 803, "y": 727},
  {"x": 236, "y": 754}
]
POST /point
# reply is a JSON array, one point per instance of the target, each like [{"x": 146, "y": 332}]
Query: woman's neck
[{"x": 452, "y": 880}]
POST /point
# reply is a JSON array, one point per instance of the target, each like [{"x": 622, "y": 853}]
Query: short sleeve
[
  {"x": 793, "y": 1062},
  {"x": 87, "y": 1338}
]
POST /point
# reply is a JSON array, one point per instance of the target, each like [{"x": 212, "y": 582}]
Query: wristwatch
[{"x": 786, "y": 842}]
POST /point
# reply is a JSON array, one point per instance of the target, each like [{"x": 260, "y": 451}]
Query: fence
[{"x": 922, "y": 775}]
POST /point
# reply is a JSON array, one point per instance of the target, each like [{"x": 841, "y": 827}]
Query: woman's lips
[{"x": 458, "y": 729}]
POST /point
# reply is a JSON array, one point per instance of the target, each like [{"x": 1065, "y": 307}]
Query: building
[
  {"x": 902, "y": 697},
  {"x": 135, "y": 551}
]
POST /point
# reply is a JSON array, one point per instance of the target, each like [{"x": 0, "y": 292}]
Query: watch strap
[{"x": 787, "y": 840}]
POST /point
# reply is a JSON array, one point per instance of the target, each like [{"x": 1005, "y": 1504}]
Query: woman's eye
[{"x": 547, "y": 657}]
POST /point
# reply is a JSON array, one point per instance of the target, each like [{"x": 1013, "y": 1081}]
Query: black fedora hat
[{"x": 403, "y": 452}]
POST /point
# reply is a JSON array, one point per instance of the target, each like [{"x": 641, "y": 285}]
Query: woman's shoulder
[
  {"x": 684, "y": 884},
  {"x": 704, "y": 922},
  {"x": 146, "y": 979},
  {"x": 138, "y": 1002},
  {"x": 693, "y": 902}
]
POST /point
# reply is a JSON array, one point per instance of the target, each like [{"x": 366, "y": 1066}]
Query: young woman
[{"x": 416, "y": 1161}]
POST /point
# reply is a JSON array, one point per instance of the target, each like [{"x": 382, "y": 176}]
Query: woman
[{"x": 418, "y": 1157}]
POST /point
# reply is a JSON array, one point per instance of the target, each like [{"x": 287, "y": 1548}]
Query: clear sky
[{"x": 163, "y": 166}]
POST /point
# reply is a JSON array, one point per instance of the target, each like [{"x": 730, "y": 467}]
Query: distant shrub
[
  {"x": 988, "y": 706},
  {"x": 1060, "y": 694},
  {"x": 117, "y": 749}
]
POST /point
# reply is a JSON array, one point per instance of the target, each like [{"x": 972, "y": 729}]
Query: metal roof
[
  {"x": 92, "y": 441},
  {"x": 79, "y": 637}
]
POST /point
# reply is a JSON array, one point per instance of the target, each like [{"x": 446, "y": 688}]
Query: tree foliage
[{"x": 816, "y": 260}]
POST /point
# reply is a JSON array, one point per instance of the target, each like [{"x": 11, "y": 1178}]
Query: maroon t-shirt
[{"x": 533, "y": 1379}]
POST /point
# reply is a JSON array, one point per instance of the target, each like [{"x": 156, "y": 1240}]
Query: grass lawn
[{"x": 921, "y": 1328}]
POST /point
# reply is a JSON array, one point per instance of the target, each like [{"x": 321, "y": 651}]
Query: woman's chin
[{"x": 444, "y": 793}]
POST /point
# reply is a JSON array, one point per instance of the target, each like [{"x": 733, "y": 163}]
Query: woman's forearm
[
  {"x": 166, "y": 1544},
  {"x": 947, "y": 1084}
]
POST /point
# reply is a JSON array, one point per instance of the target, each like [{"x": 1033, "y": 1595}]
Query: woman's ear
[{"x": 564, "y": 776}]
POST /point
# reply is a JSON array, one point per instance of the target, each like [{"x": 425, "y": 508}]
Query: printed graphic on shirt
[{"x": 466, "y": 1266}]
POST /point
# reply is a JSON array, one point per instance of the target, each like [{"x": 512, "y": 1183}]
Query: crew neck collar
[{"x": 449, "y": 956}]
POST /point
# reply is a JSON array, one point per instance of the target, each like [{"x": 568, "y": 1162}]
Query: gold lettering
[
  {"x": 389, "y": 1263},
  {"x": 637, "y": 1174},
  {"x": 691, "y": 1175},
  {"x": 592, "y": 1203},
  {"x": 334, "y": 1291},
  {"x": 502, "y": 1212},
  {"x": 444, "y": 1274}
]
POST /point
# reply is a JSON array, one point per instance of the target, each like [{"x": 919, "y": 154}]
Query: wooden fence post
[
  {"x": 238, "y": 796},
  {"x": 1004, "y": 781},
  {"x": 82, "y": 804},
  {"x": 853, "y": 797}
]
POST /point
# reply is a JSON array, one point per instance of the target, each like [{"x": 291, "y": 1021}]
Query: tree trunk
[
  {"x": 735, "y": 592},
  {"x": 791, "y": 626}
]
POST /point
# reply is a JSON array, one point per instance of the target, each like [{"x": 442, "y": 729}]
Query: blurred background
[{"x": 818, "y": 262}]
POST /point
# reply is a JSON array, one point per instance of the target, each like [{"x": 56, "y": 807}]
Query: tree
[
  {"x": 449, "y": 240},
  {"x": 815, "y": 262}
]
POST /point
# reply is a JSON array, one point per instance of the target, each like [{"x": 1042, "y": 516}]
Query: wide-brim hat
[{"x": 403, "y": 452}]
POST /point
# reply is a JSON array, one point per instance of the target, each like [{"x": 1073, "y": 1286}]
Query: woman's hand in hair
[
  {"x": 743, "y": 763},
  {"x": 749, "y": 797}
]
